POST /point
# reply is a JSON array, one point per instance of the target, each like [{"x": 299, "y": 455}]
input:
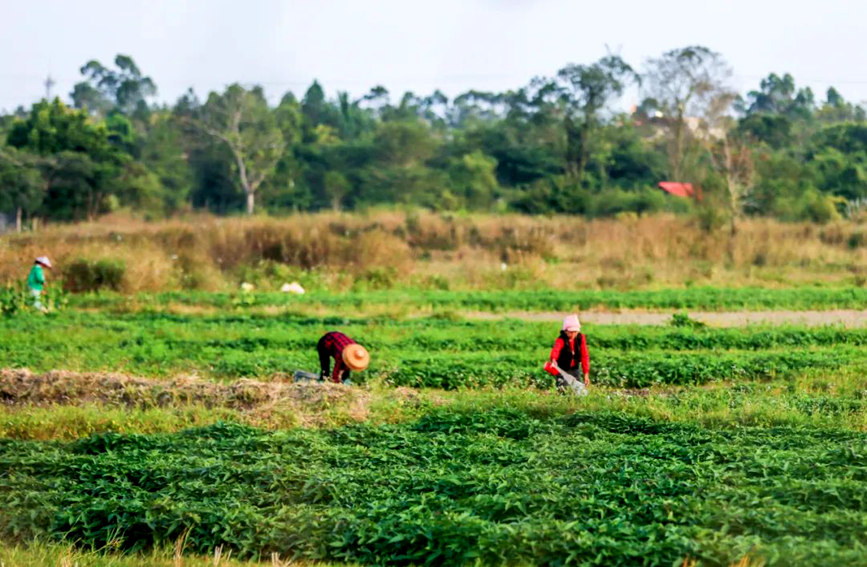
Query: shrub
[
  {"x": 377, "y": 278},
  {"x": 683, "y": 319},
  {"x": 817, "y": 207},
  {"x": 12, "y": 300},
  {"x": 88, "y": 275}
]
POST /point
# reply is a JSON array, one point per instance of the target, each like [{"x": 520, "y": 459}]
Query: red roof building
[{"x": 678, "y": 189}]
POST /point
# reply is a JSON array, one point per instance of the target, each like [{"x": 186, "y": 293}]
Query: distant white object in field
[
  {"x": 503, "y": 267},
  {"x": 294, "y": 287},
  {"x": 247, "y": 287}
]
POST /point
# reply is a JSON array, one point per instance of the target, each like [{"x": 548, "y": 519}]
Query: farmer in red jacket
[
  {"x": 570, "y": 348},
  {"x": 347, "y": 354}
]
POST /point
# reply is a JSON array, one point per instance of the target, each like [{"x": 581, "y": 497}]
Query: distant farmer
[
  {"x": 347, "y": 354},
  {"x": 36, "y": 280},
  {"x": 569, "y": 350}
]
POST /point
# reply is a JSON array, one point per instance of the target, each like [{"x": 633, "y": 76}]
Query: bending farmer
[
  {"x": 36, "y": 281},
  {"x": 569, "y": 348},
  {"x": 347, "y": 354}
]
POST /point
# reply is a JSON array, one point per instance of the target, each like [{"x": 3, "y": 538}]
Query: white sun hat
[{"x": 571, "y": 323}]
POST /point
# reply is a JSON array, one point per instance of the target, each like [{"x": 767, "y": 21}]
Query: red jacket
[
  {"x": 332, "y": 344},
  {"x": 559, "y": 345}
]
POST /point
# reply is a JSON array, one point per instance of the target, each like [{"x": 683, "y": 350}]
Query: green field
[
  {"x": 430, "y": 352},
  {"x": 411, "y": 299},
  {"x": 177, "y": 426}
]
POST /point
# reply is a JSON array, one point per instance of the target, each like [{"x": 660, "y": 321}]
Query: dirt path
[{"x": 844, "y": 317}]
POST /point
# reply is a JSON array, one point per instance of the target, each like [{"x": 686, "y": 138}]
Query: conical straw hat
[{"x": 356, "y": 357}]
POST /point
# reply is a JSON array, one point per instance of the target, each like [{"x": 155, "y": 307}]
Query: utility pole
[{"x": 49, "y": 82}]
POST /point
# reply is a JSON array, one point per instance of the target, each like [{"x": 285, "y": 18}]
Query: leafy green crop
[
  {"x": 502, "y": 482},
  {"x": 708, "y": 298},
  {"x": 454, "y": 488},
  {"x": 417, "y": 352},
  {"x": 613, "y": 369}
]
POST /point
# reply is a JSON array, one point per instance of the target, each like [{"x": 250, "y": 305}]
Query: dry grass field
[{"x": 385, "y": 249}]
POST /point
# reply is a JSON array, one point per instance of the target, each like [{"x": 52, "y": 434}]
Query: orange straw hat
[{"x": 356, "y": 357}]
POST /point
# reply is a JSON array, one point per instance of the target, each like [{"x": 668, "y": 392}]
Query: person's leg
[
  {"x": 345, "y": 376},
  {"x": 324, "y": 360},
  {"x": 37, "y": 295}
]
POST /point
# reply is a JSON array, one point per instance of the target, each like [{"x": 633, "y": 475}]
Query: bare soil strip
[{"x": 844, "y": 317}]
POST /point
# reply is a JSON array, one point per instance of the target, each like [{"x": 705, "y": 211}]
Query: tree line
[{"x": 555, "y": 145}]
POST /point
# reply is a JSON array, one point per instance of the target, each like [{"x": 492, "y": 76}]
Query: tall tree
[
  {"x": 52, "y": 127},
  {"x": 321, "y": 118},
  {"x": 729, "y": 154},
  {"x": 79, "y": 161},
  {"x": 21, "y": 186},
  {"x": 474, "y": 107},
  {"x": 472, "y": 177},
  {"x": 163, "y": 153},
  {"x": 837, "y": 109},
  {"x": 778, "y": 113},
  {"x": 242, "y": 120},
  {"x": 336, "y": 187},
  {"x": 76, "y": 186},
  {"x": 375, "y": 100},
  {"x": 124, "y": 89},
  {"x": 586, "y": 90},
  {"x": 779, "y": 95},
  {"x": 838, "y": 154},
  {"x": 683, "y": 82}
]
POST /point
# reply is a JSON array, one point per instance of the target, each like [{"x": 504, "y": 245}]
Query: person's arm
[
  {"x": 585, "y": 360},
  {"x": 338, "y": 369},
  {"x": 555, "y": 351},
  {"x": 551, "y": 366},
  {"x": 324, "y": 358}
]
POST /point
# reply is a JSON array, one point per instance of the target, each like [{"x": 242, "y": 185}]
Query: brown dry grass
[
  {"x": 262, "y": 403},
  {"x": 479, "y": 251}
]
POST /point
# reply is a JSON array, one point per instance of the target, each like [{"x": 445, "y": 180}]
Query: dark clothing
[
  {"x": 567, "y": 356},
  {"x": 330, "y": 346}
]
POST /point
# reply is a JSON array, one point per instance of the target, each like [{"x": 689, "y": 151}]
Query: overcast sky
[{"x": 453, "y": 45}]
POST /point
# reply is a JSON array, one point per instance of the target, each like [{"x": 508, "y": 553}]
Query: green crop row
[
  {"x": 493, "y": 487},
  {"x": 631, "y": 370},
  {"x": 433, "y": 336},
  {"x": 419, "y": 352},
  {"x": 707, "y": 298},
  {"x": 253, "y": 332}
]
